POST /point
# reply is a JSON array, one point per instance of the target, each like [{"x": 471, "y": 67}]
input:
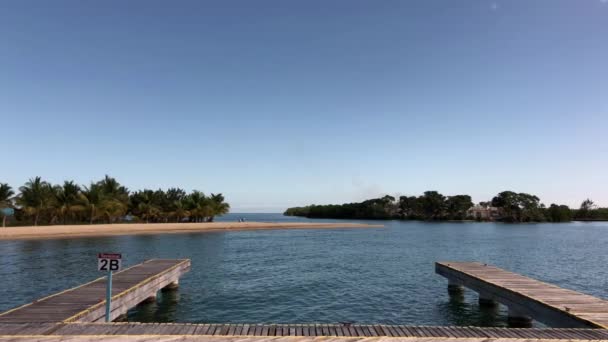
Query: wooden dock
[
  {"x": 86, "y": 303},
  {"x": 273, "y": 331},
  {"x": 76, "y": 314},
  {"x": 526, "y": 298}
]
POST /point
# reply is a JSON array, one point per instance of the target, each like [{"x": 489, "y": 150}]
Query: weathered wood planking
[
  {"x": 280, "y": 330},
  {"x": 194, "y": 338},
  {"x": 544, "y": 302},
  {"x": 86, "y": 303}
]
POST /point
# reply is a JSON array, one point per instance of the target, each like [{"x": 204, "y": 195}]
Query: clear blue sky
[{"x": 283, "y": 103}]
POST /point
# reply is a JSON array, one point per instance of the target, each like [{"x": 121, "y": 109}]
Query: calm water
[{"x": 359, "y": 275}]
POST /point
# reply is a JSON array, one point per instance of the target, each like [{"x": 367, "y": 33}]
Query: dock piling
[
  {"x": 517, "y": 319},
  {"x": 455, "y": 288},
  {"x": 131, "y": 287},
  {"x": 526, "y": 298},
  {"x": 174, "y": 285},
  {"x": 487, "y": 300}
]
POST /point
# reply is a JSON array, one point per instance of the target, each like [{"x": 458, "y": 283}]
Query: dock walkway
[
  {"x": 86, "y": 303},
  {"x": 527, "y": 298},
  {"x": 279, "y": 330}
]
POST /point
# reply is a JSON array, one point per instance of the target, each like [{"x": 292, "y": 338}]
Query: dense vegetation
[
  {"x": 106, "y": 201},
  {"x": 509, "y": 206},
  {"x": 590, "y": 212}
]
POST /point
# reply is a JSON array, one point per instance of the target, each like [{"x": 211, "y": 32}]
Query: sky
[{"x": 288, "y": 103}]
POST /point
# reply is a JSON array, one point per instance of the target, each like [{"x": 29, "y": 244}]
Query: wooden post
[
  {"x": 454, "y": 287},
  {"x": 518, "y": 319},
  {"x": 172, "y": 286},
  {"x": 486, "y": 300},
  {"x": 150, "y": 299}
]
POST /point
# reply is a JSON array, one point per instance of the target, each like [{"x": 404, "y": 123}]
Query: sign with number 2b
[{"x": 109, "y": 262}]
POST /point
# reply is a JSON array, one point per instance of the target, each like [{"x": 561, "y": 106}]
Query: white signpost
[{"x": 109, "y": 262}]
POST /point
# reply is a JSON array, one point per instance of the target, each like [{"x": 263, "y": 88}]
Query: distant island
[
  {"x": 105, "y": 201},
  {"x": 507, "y": 206}
]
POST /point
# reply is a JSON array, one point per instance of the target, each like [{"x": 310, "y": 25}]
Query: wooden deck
[
  {"x": 86, "y": 303},
  {"x": 280, "y": 330},
  {"x": 75, "y": 314},
  {"x": 544, "y": 302},
  {"x": 200, "y": 338}
]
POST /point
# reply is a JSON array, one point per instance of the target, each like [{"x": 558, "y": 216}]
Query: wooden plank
[
  {"x": 545, "y": 302},
  {"x": 389, "y": 330},
  {"x": 211, "y": 329},
  {"x": 407, "y": 331},
  {"x": 419, "y": 332},
  {"x": 201, "y": 329},
  {"x": 257, "y": 330},
  {"x": 86, "y": 302},
  {"x": 228, "y": 330},
  {"x": 351, "y": 331},
  {"x": 394, "y": 331},
  {"x": 433, "y": 332}
]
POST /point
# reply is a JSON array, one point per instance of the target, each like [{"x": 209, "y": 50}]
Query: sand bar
[{"x": 67, "y": 231}]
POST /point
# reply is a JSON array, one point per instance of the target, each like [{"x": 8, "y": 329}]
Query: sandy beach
[{"x": 67, "y": 231}]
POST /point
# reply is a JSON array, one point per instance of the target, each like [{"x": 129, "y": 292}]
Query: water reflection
[
  {"x": 319, "y": 276},
  {"x": 161, "y": 310}
]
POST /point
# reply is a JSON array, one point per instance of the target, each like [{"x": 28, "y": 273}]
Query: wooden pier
[
  {"x": 265, "y": 332},
  {"x": 526, "y": 298},
  {"x": 86, "y": 303}
]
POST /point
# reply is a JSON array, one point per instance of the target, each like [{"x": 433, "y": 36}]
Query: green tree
[
  {"x": 457, "y": 206},
  {"x": 179, "y": 210},
  {"x": 35, "y": 198},
  {"x": 518, "y": 207},
  {"x": 68, "y": 201},
  {"x": 92, "y": 200},
  {"x": 218, "y": 206},
  {"x": 559, "y": 213},
  {"x": 115, "y": 199},
  {"x": 408, "y": 206},
  {"x": 6, "y": 199},
  {"x": 198, "y": 205},
  {"x": 145, "y": 204},
  {"x": 586, "y": 209},
  {"x": 432, "y": 204},
  {"x": 174, "y": 207}
]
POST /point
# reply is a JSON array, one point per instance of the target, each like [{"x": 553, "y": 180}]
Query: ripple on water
[{"x": 303, "y": 276}]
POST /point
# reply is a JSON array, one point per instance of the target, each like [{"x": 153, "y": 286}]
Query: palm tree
[
  {"x": 179, "y": 210},
  {"x": 144, "y": 205},
  {"x": 218, "y": 206},
  {"x": 68, "y": 200},
  {"x": 6, "y": 194},
  {"x": 115, "y": 198},
  {"x": 172, "y": 203},
  {"x": 92, "y": 199},
  {"x": 110, "y": 186},
  {"x": 198, "y": 205},
  {"x": 112, "y": 209},
  {"x": 35, "y": 198}
]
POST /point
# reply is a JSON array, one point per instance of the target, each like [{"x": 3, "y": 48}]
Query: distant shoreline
[{"x": 101, "y": 230}]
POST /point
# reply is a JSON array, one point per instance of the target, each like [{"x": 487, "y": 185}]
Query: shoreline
[{"x": 102, "y": 230}]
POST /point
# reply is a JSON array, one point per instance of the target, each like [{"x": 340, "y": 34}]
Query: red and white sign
[{"x": 109, "y": 262}]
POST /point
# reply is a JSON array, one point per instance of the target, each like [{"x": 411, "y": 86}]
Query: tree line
[
  {"x": 507, "y": 206},
  {"x": 105, "y": 201}
]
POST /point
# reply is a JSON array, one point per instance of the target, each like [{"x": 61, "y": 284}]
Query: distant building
[{"x": 484, "y": 213}]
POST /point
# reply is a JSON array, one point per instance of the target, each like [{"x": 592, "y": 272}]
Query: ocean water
[{"x": 378, "y": 275}]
